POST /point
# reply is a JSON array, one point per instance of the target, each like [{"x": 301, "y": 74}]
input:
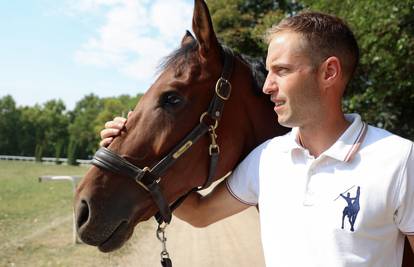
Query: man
[{"x": 299, "y": 179}]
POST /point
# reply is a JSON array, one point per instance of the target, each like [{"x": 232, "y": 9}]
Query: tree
[
  {"x": 9, "y": 126},
  {"x": 56, "y": 124},
  {"x": 114, "y": 106},
  {"x": 240, "y": 24},
  {"x": 81, "y": 128},
  {"x": 28, "y": 131},
  {"x": 32, "y": 139},
  {"x": 49, "y": 130}
]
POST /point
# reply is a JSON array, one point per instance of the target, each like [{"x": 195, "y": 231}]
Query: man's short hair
[{"x": 324, "y": 36}]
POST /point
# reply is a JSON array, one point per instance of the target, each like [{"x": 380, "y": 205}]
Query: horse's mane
[
  {"x": 258, "y": 70},
  {"x": 179, "y": 58}
]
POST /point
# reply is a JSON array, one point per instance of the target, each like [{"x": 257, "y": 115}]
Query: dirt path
[{"x": 233, "y": 242}]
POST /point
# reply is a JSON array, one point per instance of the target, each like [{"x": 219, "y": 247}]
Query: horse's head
[{"x": 108, "y": 203}]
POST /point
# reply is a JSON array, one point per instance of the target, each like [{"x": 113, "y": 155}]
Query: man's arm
[
  {"x": 201, "y": 211},
  {"x": 197, "y": 210},
  {"x": 411, "y": 239}
]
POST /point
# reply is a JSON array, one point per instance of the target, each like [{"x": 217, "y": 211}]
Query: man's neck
[{"x": 318, "y": 137}]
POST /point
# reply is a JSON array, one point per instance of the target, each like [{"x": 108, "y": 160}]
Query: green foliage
[
  {"x": 9, "y": 125},
  {"x": 30, "y": 132},
  {"x": 88, "y": 119},
  {"x": 241, "y": 24},
  {"x": 72, "y": 152},
  {"x": 119, "y": 106},
  {"x": 48, "y": 130},
  {"x": 42, "y": 129},
  {"x": 81, "y": 128}
]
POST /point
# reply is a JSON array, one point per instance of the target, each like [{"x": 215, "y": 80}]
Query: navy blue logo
[{"x": 352, "y": 208}]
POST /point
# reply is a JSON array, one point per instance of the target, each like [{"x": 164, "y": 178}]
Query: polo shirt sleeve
[
  {"x": 405, "y": 213},
  {"x": 243, "y": 183}
]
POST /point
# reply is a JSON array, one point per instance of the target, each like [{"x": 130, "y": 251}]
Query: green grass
[
  {"x": 25, "y": 203},
  {"x": 36, "y": 219}
]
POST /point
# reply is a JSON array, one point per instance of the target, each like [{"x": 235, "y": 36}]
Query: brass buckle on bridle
[
  {"x": 219, "y": 85},
  {"x": 138, "y": 178}
]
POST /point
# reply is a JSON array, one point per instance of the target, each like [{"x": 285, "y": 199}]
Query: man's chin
[{"x": 285, "y": 123}]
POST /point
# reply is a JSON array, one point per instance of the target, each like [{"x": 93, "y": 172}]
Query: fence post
[{"x": 74, "y": 181}]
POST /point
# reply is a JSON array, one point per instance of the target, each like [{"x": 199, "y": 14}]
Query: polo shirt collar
[{"x": 345, "y": 148}]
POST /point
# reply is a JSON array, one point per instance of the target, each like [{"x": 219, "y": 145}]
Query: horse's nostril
[{"x": 83, "y": 214}]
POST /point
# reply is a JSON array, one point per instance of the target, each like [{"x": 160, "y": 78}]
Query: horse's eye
[{"x": 171, "y": 100}]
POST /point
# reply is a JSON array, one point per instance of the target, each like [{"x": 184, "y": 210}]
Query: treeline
[{"x": 49, "y": 130}]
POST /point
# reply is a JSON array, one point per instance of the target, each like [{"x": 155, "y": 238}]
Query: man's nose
[{"x": 270, "y": 85}]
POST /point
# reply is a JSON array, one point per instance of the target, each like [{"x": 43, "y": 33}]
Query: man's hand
[{"x": 112, "y": 129}]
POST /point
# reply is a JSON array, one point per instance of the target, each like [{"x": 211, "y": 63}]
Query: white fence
[
  {"x": 44, "y": 159},
  {"x": 74, "y": 181}
]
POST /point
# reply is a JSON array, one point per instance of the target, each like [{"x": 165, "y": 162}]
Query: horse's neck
[{"x": 248, "y": 121}]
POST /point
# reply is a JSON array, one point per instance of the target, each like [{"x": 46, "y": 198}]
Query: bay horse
[{"x": 193, "y": 106}]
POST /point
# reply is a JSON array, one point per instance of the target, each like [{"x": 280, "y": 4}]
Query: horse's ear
[
  {"x": 187, "y": 39},
  {"x": 203, "y": 29}
]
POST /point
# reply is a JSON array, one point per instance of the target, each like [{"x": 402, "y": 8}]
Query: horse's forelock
[{"x": 179, "y": 58}]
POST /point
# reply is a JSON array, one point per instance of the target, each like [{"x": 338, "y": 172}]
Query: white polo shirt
[{"x": 348, "y": 207}]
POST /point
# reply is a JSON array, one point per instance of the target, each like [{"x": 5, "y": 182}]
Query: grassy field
[{"x": 36, "y": 219}]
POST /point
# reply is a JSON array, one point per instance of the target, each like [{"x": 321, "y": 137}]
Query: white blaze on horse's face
[{"x": 292, "y": 80}]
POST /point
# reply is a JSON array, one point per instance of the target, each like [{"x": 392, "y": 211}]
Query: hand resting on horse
[
  {"x": 197, "y": 209},
  {"x": 112, "y": 129}
]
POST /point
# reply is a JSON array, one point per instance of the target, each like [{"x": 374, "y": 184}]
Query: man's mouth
[{"x": 279, "y": 103}]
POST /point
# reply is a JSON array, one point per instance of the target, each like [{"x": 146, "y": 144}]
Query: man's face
[{"x": 292, "y": 81}]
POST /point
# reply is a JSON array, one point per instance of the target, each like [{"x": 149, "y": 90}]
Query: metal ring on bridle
[
  {"x": 218, "y": 86},
  {"x": 215, "y": 121}
]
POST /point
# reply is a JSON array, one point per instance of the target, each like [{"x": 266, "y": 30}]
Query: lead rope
[{"x": 165, "y": 257}]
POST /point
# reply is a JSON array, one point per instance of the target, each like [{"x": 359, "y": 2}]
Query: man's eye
[{"x": 282, "y": 70}]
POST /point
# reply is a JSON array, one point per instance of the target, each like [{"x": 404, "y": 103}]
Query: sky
[{"x": 66, "y": 49}]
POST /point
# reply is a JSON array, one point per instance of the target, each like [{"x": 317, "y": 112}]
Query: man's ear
[
  {"x": 204, "y": 32},
  {"x": 330, "y": 72}
]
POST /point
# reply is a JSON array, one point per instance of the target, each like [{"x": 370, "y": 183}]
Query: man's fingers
[
  {"x": 110, "y": 132},
  {"x": 112, "y": 128},
  {"x": 114, "y": 124},
  {"x": 120, "y": 119},
  {"x": 105, "y": 142}
]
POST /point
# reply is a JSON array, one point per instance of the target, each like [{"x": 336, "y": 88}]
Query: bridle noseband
[{"x": 149, "y": 178}]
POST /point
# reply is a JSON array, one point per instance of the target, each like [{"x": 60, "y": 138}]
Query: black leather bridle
[{"x": 149, "y": 178}]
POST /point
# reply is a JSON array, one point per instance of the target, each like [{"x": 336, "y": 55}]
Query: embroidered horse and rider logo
[{"x": 352, "y": 208}]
